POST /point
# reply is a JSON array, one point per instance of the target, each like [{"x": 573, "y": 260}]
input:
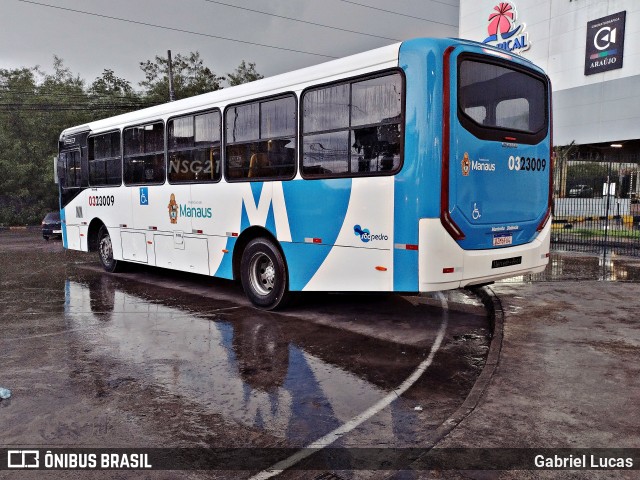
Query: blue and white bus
[{"x": 416, "y": 167}]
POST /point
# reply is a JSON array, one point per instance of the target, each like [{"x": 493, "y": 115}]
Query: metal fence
[{"x": 597, "y": 202}]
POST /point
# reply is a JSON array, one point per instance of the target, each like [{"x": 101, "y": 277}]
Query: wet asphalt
[{"x": 152, "y": 358}]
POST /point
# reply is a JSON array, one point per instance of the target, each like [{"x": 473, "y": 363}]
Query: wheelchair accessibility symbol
[
  {"x": 475, "y": 214},
  {"x": 144, "y": 196}
]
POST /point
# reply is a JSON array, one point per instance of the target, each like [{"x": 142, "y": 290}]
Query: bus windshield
[{"x": 493, "y": 96}]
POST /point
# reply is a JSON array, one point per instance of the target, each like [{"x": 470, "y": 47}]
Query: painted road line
[{"x": 358, "y": 420}]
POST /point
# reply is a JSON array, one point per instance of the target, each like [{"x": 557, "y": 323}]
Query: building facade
[{"x": 589, "y": 48}]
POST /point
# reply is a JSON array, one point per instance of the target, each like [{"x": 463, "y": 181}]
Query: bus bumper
[{"x": 444, "y": 265}]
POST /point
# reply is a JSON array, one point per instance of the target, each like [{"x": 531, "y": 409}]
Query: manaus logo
[
  {"x": 179, "y": 210},
  {"x": 466, "y": 165},
  {"x": 173, "y": 209}
]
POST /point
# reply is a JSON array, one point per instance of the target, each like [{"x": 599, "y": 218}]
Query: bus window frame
[
  {"x": 166, "y": 141},
  {"x": 295, "y": 136},
  {"x": 164, "y": 133},
  {"x": 349, "y": 129},
  {"x": 495, "y": 133},
  {"x": 107, "y": 132}
]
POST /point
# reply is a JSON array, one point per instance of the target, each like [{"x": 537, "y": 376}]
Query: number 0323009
[{"x": 527, "y": 164}]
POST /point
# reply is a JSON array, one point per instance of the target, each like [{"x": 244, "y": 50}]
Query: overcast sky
[{"x": 31, "y": 33}]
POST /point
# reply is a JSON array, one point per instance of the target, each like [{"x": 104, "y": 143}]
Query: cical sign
[
  {"x": 505, "y": 31},
  {"x": 605, "y": 43}
]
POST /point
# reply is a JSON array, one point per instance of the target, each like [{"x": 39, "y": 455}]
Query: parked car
[
  {"x": 51, "y": 226},
  {"x": 584, "y": 191}
]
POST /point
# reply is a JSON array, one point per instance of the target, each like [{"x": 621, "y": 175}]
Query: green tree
[
  {"x": 190, "y": 77},
  {"x": 110, "y": 84},
  {"x": 243, "y": 74},
  {"x": 112, "y": 95},
  {"x": 34, "y": 108}
]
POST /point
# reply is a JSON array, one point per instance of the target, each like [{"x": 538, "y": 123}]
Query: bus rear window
[{"x": 494, "y": 99}]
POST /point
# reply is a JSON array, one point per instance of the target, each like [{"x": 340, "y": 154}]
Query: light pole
[{"x": 172, "y": 94}]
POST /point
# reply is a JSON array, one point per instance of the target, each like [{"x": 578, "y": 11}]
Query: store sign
[
  {"x": 605, "y": 44},
  {"x": 504, "y": 31}
]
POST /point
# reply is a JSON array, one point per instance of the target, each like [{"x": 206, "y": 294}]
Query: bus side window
[
  {"x": 194, "y": 148},
  {"x": 261, "y": 140},
  {"x": 144, "y": 154},
  {"x": 105, "y": 164},
  {"x": 353, "y": 128},
  {"x": 70, "y": 166}
]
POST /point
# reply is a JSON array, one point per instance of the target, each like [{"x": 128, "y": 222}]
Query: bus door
[
  {"x": 495, "y": 189},
  {"x": 70, "y": 179}
]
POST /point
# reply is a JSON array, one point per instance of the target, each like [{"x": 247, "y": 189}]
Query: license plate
[
  {"x": 57, "y": 231},
  {"x": 502, "y": 239}
]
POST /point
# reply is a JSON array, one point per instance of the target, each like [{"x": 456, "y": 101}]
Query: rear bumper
[{"x": 438, "y": 252}]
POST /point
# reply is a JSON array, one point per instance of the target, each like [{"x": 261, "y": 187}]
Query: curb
[{"x": 496, "y": 319}]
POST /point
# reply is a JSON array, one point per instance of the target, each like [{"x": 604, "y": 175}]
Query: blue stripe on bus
[
  {"x": 63, "y": 224},
  {"x": 256, "y": 191},
  {"x": 270, "y": 223},
  {"x": 225, "y": 270},
  {"x": 417, "y": 192},
  {"x": 311, "y": 257},
  {"x": 317, "y": 209}
]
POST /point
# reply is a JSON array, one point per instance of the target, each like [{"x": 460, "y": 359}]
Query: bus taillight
[
  {"x": 542, "y": 224},
  {"x": 445, "y": 217}
]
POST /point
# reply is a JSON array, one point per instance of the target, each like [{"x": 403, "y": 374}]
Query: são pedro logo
[
  {"x": 366, "y": 236},
  {"x": 180, "y": 210}
]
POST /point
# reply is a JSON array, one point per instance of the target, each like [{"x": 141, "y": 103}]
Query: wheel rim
[
  {"x": 262, "y": 274},
  {"x": 106, "y": 250}
]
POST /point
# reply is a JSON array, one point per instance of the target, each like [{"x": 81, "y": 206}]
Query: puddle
[
  {"x": 578, "y": 266},
  {"x": 237, "y": 364}
]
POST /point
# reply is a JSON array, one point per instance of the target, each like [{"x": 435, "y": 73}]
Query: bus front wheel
[
  {"x": 264, "y": 274},
  {"x": 105, "y": 252}
]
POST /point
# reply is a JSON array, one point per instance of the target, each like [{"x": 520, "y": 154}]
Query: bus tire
[
  {"x": 263, "y": 273},
  {"x": 105, "y": 252}
]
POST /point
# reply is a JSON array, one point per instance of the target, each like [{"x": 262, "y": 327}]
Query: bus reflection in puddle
[{"x": 241, "y": 368}]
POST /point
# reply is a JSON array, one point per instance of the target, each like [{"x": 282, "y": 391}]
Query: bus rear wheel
[
  {"x": 264, "y": 274},
  {"x": 105, "y": 252}
]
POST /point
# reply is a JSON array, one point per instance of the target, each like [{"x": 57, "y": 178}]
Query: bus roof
[
  {"x": 360, "y": 63},
  {"x": 384, "y": 57}
]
